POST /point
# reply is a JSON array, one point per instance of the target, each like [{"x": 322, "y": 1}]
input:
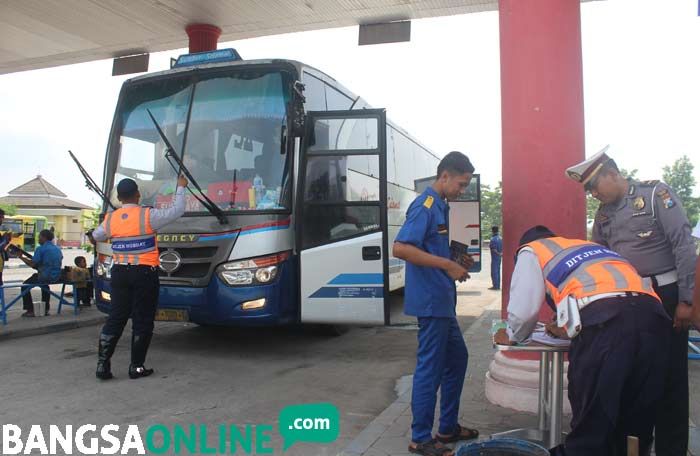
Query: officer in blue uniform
[
  {"x": 431, "y": 296},
  {"x": 496, "y": 248}
]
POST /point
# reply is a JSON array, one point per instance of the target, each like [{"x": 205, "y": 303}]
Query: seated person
[
  {"x": 47, "y": 261},
  {"x": 82, "y": 276}
]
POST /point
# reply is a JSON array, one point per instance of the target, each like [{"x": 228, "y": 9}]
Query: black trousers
[
  {"x": 85, "y": 294},
  {"x": 134, "y": 294},
  {"x": 672, "y": 420},
  {"x": 27, "y": 301},
  {"x": 616, "y": 378}
]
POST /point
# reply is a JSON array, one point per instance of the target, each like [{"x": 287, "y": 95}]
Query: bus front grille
[{"x": 190, "y": 265}]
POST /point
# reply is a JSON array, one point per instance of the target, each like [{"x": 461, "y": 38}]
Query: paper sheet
[{"x": 542, "y": 337}]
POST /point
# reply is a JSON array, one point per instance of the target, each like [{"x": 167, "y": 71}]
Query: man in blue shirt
[
  {"x": 496, "y": 247},
  {"x": 431, "y": 296},
  {"x": 47, "y": 261}
]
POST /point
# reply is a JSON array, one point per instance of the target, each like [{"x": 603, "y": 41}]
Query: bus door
[
  {"x": 341, "y": 220},
  {"x": 465, "y": 218},
  {"x": 465, "y": 221}
]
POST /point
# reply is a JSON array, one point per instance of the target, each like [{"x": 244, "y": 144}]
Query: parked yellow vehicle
[{"x": 25, "y": 230}]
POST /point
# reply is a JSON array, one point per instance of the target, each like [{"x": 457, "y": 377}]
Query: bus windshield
[{"x": 227, "y": 128}]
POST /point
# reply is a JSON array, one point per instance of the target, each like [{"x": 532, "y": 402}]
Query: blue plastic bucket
[{"x": 502, "y": 447}]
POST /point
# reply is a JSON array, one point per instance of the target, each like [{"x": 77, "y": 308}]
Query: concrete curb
[
  {"x": 374, "y": 430},
  {"x": 9, "y": 333}
]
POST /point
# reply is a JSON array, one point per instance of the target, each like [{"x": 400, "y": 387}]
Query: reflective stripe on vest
[
  {"x": 580, "y": 268},
  {"x": 133, "y": 239}
]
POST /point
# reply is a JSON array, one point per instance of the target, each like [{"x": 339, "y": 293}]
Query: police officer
[
  {"x": 135, "y": 286},
  {"x": 617, "y": 361},
  {"x": 423, "y": 242},
  {"x": 496, "y": 248},
  {"x": 645, "y": 222}
]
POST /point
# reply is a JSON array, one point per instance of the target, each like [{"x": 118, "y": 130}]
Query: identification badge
[
  {"x": 639, "y": 203},
  {"x": 645, "y": 234}
]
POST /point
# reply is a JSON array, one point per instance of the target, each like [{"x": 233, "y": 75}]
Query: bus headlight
[
  {"x": 104, "y": 266},
  {"x": 253, "y": 271},
  {"x": 265, "y": 275}
]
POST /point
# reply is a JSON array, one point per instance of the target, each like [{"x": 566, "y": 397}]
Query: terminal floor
[{"x": 215, "y": 376}]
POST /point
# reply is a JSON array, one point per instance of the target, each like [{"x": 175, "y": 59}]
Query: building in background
[{"x": 67, "y": 217}]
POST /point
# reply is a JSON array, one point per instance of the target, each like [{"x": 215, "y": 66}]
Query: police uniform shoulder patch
[
  {"x": 639, "y": 203},
  {"x": 649, "y": 183},
  {"x": 665, "y": 196},
  {"x": 428, "y": 202}
]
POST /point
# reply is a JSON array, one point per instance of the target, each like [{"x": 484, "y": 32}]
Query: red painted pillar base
[
  {"x": 203, "y": 37},
  {"x": 542, "y": 135}
]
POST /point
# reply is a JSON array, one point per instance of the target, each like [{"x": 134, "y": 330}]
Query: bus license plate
[{"x": 172, "y": 315}]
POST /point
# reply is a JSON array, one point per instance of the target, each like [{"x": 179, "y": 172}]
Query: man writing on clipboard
[{"x": 620, "y": 336}]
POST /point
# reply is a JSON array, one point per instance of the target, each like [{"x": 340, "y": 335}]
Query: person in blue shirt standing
[
  {"x": 431, "y": 296},
  {"x": 496, "y": 247},
  {"x": 47, "y": 261}
]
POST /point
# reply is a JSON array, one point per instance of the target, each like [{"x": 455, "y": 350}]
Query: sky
[{"x": 641, "y": 91}]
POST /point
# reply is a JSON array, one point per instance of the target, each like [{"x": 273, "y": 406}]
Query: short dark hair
[
  {"x": 494, "y": 229},
  {"x": 78, "y": 258},
  {"x": 535, "y": 233},
  {"x": 2, "y": 212},
  {"x": 48, "y": 234},
  {"x": 455, "y": 163}
]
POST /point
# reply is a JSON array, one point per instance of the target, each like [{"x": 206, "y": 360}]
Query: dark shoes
[
  {"x": 139, "y": 348},
  {"x": 494, "y": 288},
  {"x": 138, "y": 372},
  {"x": 105, "y": 350},
  {"x": 28, "y": 314}
]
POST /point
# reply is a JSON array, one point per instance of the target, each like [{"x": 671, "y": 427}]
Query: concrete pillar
[{"x": 542, "y": 132}]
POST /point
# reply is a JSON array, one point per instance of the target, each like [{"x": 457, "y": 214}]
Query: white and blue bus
[{"x": 310, "y": 187}]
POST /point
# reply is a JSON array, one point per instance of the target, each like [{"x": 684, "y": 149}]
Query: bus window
[
  {"x": 13, "y": 226},
  {"x": 332, "y": 179},
  {"x": 336, "y": 101},
  {"x": 141, "y": 150},
  {"x": 235, "y": 132},
  {"x": 345, "y": 134},
  {"x": 315, "y": 93}
]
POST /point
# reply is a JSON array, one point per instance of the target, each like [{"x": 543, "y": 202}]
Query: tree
[
  {"x": 491, "y": 214},
  {"x": 9, "y": 209},
  {"x": 680, "y": 178}
]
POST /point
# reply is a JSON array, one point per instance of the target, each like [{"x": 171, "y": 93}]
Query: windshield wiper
[
  {"x": 90, "y": 183},
  {"x": 171, "y": 154}
]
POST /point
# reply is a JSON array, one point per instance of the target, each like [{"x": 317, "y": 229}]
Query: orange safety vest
[
  {"x": 580, "y": 269},
  {"x": 133, "y": 239}
]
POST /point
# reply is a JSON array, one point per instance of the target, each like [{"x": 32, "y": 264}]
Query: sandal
[
  {"x": 430, "y": 448},
  {"x": 462, "y": 433}
]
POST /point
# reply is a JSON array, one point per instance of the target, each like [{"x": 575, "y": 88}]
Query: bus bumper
[{"x": 222, "y": 305}]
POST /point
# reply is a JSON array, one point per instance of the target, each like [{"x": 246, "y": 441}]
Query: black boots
[
  {"x": 139, "y": 348},
  {"x": 105, "y": 351}
]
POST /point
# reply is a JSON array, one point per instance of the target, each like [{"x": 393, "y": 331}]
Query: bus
[
  {"x": 25, "y": 230},
  {"x": 309, "y": 186}
]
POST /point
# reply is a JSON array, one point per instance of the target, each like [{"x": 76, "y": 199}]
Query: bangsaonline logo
[{"x": 310, "y": 423}]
